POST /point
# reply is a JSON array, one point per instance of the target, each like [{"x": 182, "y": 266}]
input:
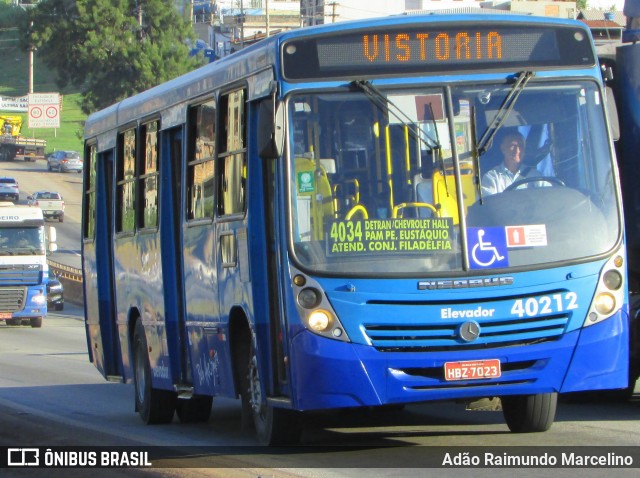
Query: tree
[{"x": 110, "y": 49}]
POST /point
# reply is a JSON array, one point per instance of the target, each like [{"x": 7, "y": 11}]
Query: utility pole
[
  {"x": 31, "y": 48},
  {"x": 266, "y": 11},
  {"x": 241, "y": 26},
  {"x": 333, "y": 6}
]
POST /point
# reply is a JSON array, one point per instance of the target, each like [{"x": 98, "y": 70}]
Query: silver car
[
  {"x": 9, "y": 189},
  {"x": 65, "y": 161}
]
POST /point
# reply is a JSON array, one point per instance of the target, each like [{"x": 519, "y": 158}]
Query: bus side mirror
[
  {"x": 612, "y": 113},
  {"x": 270, "y": 129}
]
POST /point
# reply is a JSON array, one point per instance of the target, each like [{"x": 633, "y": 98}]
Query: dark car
[{"x": 55, "y": 293}]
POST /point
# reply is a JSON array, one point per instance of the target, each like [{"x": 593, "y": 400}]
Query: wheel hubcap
[{"x": 255, "y": 394}]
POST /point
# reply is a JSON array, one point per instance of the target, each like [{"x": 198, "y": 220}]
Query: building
[
  {"x": 228, "y": 25},
  {"x": 606, "y": 27}
]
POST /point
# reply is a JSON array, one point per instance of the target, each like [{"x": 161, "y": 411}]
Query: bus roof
[{"x": 263, "y": 57}]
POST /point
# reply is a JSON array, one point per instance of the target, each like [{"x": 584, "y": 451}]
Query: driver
[{"x": 511, "y": 169}]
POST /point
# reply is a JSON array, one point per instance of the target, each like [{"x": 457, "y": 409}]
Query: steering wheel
[{"x": 535, "y": 179}]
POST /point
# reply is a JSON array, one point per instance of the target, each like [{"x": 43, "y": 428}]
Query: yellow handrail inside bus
[{"x": 404, "y": 205}]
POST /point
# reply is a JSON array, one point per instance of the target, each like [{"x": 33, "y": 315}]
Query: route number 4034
[{"x": 546, "y": 304}]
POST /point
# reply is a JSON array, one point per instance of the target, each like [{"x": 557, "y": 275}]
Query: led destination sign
[{"x": 427, "y": 49}]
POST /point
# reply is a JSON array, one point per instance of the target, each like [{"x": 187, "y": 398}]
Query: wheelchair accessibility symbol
[{"x": 487, "y": 247}]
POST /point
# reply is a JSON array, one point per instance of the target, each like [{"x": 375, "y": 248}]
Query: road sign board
[{"x": 44, "y": 110}]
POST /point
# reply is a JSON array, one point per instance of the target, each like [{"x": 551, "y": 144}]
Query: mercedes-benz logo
[{"x": 469, "y": 331}]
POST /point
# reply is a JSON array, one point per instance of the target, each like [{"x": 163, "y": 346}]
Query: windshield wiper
[
  {"x": 501, "y": 116},
  {"x": 383, "y": 103},
  {"x": 503, "y": 113}
]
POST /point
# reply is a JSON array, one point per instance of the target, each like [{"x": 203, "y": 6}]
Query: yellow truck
[{"x": 13, "y": 145}]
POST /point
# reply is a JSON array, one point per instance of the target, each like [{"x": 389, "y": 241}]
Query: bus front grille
[{"x": 446, "y": 337}]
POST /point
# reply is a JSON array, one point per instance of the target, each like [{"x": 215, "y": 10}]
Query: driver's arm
[{"x": 490, "y": 183}]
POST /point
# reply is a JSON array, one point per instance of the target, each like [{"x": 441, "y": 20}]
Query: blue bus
[
  {"x": 332, "y": 219},
  {"x": 620, "y": 62}
]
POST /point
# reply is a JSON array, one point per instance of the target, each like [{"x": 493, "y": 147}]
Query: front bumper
[{"x": 332, "y": 374}]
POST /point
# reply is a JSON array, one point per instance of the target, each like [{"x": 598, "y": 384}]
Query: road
[{"x": 50, "y": 395}]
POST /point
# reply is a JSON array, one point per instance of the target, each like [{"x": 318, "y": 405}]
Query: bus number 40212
[{"x": 546, "y": 304}]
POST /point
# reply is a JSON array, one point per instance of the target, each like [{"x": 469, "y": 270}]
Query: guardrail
[
  {"x": 65, "y": 271},
  {"x": 71, "y": 279}
]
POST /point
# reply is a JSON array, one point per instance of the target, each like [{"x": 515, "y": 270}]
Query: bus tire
[
  {"x": 194, "y": 410},
  {"x": 529, "y": 413},
  {"x": 153, "y": 405},
  {"x": 35, "y": 322},
  {"x": 273, "y": 426}
]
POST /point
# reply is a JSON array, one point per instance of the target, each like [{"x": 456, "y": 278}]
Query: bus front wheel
[
  {"x": 154, "y": 405},
  {"x": 274, "y": 426},
  {"x": 529, "y": 413}
]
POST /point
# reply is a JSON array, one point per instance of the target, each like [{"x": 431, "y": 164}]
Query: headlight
[
  {"x": 38, "y": 299},
  {"x": 313, "y": 305},
  {"x": 309, "y": 298},
  {"x": 319, "y": 320},
  {"x": 610, "y": 293},
  {"x": 612, "y": 279},
  {"x": 605, "y": 303}
]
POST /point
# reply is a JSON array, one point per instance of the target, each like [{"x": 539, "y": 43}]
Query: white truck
[
  {"x": 24, "y": 272},
  {"x": 51, "y": 203}
]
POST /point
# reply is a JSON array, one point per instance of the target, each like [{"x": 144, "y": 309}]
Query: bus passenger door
[
  {"x": 103, "y": 335},
  {"x": 171, "y": 248}
]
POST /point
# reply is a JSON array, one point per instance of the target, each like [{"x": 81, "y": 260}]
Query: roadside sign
[
  {"x": 44, "y": 110},
  {"x": 8, "y": 103}
]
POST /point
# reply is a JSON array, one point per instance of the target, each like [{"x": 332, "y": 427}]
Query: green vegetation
[
  {"x": 14, "y": 82},
  {"x": 94, "y": 53},
  {"x": 110, "y": 49}
]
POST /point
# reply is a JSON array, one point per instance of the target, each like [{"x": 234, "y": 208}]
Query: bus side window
[
  {"x": 232, "y": 155},
  {"x": 200, "y": 165}
]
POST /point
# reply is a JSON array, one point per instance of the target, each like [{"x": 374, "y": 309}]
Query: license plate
[
  {"x": 5, "y": 315},
  {"x": 472, "y": 369}
]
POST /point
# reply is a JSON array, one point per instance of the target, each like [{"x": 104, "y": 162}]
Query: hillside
[{"x": 14, "y": 82}]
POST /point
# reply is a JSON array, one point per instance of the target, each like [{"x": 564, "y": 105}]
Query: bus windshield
[{"x": 445, "y": 180}]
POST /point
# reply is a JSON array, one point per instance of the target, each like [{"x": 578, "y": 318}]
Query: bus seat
[
  {"x": 469, "y": 190},
  {"x": 314, "y": 191},
  {"x": 346, "y": 197},
  {"x": 444, "y": 194},
  {"x": 423, "y": 194}
]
